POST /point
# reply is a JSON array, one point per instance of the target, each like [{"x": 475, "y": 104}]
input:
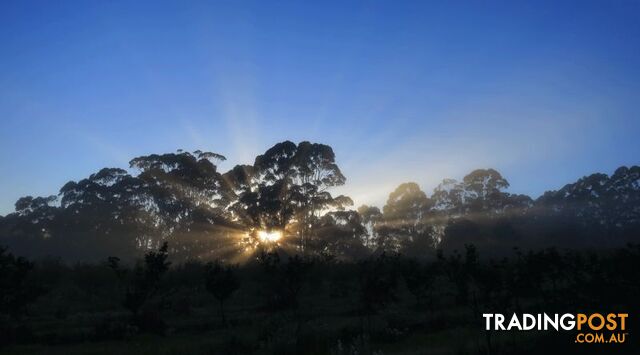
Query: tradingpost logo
[{"x": 592, "y": 328}]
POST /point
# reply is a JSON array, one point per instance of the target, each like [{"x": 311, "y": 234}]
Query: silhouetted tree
[
  {"x": 189, "y": 200},
  {"x": 405, "y": 227},
  {"x": 601, "y": 210},
  {"x": 284, "y": 279},
  {"x": 340, "y": 234},
  {"x": 143, "y": 283},
  {"x": 371, "y": 218},
  {"x": 221, "y": 281},
  {"x": 15, "y": 292},
  {"x": 287, "y": 186},
  {"x": 378, "y": 282},
  {"x": 105, "y": 213},
  {"x": 418, "y": 278},
  {"x": 181, "y": 197}
]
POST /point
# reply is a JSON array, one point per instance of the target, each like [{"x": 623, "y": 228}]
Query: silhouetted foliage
[
  {"x": 142, "y": 284},
  {"x": 371, "y": 219},
  {"x": 16, "y": 293},
  {"x": 221, "y": 282},
  {"x": 378, "y": 282},
  {"x": 206, "y": 215},
  {"x": 286, "y": 188},
  {"x": 419, "y": 280},
  {"x": 405, "y": 221},
  {"x": 306, "y": 314},
  {"x": 284, "y": 280},
  {"x": 340, "y": 234}
]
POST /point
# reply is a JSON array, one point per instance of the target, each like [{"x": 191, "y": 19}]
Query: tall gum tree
[{"x": 287, "y": 189}]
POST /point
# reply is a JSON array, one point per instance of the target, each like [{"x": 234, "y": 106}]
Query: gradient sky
[{"x": 545, "y": 92}]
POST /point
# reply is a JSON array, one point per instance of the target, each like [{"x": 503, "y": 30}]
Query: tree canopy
[{"x": 205, "y": 214}]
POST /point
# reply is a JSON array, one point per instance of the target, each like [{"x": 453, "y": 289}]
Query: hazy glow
[{"x": 269, "y": 236}]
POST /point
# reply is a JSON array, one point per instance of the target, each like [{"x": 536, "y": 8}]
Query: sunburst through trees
[{"x": 283, "y": 201}]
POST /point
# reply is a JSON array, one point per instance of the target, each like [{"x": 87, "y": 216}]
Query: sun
[{"x": 269, "y": 236}]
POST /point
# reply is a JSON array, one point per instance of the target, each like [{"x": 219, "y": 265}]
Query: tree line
[{"x": 183, "y": 199}]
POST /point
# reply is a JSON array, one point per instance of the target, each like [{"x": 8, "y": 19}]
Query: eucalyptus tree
[
  {"x": 481, "y": 192},
  {"x": 602, "y": 210},
  {"x": 188, "y": 198},
  {"x": 341, "y": 235},
  {"x": 477, "y": 211},
  {"x": 405, "y": 220},
  {"x": 178, "y": 196},
  {"x": 287, "y": 189},
  {"x": 29, "y": 229},
  {"x": 371, "y": 219},
  {"x": 105, "y": 213}
]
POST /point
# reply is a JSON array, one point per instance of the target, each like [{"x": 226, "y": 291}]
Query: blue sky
[{"x": 545, "y": 92}]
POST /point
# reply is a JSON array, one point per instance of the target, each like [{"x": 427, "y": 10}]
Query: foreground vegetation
[{"x": 281, "y": 304}]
